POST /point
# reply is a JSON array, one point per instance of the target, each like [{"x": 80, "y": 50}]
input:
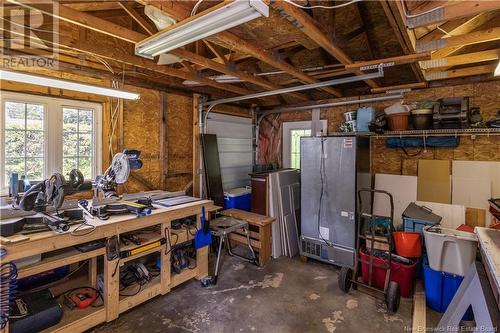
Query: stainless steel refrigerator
[{"x": 332, "y": 170}]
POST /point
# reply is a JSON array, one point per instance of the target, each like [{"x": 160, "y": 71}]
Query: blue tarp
[{"x": 441, "y": 141}]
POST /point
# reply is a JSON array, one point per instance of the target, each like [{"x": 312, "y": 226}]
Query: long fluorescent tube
[
  {"x": 204, "y": 24},
  {"x": 64, "y": 84},
  {"x": 497, "y": 70}
]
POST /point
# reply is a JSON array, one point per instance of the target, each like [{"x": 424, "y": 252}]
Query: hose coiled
[{"x": 8, "y": 287}]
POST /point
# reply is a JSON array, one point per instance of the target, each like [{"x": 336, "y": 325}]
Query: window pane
[
  {"x": 14, "y": 143},
  {"x": 14, "y": 115},
  {"x": 34, "y": 168},
  {"x": 68, "y": 165},
  {"x": 70, "y": 144},
  {"x": 34, "y": 117},
  {"x": 34, "y": 144},
  {"x": 85, "y": 167},
  {"x": 13, "y": 165},
  {"x": 295, "y": 135},
  {"x": 70, "y": 119},
  {"x": 85, "y": 145},
  {"x": 85, "y": 120}
]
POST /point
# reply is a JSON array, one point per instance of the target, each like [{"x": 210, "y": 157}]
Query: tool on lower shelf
[{"x": 143, "y": 248}]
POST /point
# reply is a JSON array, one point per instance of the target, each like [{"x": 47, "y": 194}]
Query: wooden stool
[{"x": 260, "y": 232}]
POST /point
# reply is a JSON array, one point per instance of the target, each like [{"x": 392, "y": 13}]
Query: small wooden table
[{"x": 260, "y": 232}]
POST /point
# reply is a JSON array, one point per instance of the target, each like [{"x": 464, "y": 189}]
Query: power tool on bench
[
  {"x": 51, "y": 191},
  {"x": 118, "y": 173}
]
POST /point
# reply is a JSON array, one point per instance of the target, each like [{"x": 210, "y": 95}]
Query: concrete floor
[{"x": 285, "y": 296}]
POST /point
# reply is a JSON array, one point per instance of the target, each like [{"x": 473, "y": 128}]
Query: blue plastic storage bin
[
  {"x": 440, "y": 287},
  {"x": 363, "y": 117},
  {"x": 416, "y": 217},
  {"x": 240, "y": 198}
]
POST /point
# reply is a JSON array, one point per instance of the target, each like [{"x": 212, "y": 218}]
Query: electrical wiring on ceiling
[
  {"x": 195, "y": 8},
  {"x": 323, "y": 7}
]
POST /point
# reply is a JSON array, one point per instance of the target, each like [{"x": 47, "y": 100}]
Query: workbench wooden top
[
  {"x": 21, "y": 246},
  {"x": 251, "y": 218},
  {"x": 489, "y": 242}
]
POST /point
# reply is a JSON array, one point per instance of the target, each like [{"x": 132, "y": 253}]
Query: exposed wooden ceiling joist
[
  {"x": 468, "y": 71},
  {"x": 417, "y": 85},
  {"x": 475, "y": 37},
  {"x": 453, "y": 11},
  {"x": 462, "y": 59},
  {"x": 148, "y": 27},
  {"x": 310, "y": 27},
  {"x": 399, "y": 60},
  {"x": 231, "y": 41},
  {"x": 99, "y": 25},
  {"x": 465, "y": 28},
  {"x": 106, "y": 52},
  {"x": 406, "y": 38}
]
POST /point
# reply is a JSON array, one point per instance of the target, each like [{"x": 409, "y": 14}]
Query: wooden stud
[
  {"x": 417, "y": 85},
  {"x": 399, "y": 60},
  {"x": 112, "y": 289},
  {"x": 454, "y": 11},
  {"x": 475, "y": 37},
  {"x": 165, "y": 259},
  {"x": 462, "y": 59},
  {"x": 464, "y": 28},
  {"x": 148, "y": 27},
  {"x": 468, "y": 71},
  {"x": 196, "y": 147}
]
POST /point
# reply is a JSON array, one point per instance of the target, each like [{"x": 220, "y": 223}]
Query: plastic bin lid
[
  {"x": 417, "y": 212},
  {"x": 236, "y": 192}
]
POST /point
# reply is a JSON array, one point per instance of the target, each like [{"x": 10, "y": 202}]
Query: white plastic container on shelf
[{"x": 450, "y": 251}]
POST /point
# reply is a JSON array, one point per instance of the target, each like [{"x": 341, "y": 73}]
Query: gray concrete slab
[{"x": 285, "y": 296}]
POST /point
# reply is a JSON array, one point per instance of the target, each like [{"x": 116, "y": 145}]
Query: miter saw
[
  {"x": 118, "y": 173},
  {"x": 51, "y": 192}
]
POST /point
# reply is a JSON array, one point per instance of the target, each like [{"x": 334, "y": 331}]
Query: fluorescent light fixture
[
  {"x": 64, "y": 84},
  {"x": 497, "y": 70},
  {"x": 209, "y": 22}
]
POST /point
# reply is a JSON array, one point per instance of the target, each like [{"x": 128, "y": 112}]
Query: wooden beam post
[{"x": 196, "y": 146}]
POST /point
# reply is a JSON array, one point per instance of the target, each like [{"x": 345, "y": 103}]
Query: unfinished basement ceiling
[{"x": 278, "y": 51}]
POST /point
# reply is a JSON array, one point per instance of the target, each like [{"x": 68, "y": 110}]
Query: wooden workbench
[
  {"x": 58, "y": 250},
  {"x": 489, "y": 245}
]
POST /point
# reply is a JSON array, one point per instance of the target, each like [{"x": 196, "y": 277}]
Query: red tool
[{"x": 81, "y": 298}]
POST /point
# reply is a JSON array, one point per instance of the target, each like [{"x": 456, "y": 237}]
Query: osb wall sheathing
[
  {"x": 180, "y": 142},
  {"x": 141, "y": 131},
  {"x": 485, "y": 95}
]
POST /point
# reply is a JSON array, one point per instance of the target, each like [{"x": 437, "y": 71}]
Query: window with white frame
[
  {"x": 43, "y": 135},
  {"x": 292, "y": 132}
]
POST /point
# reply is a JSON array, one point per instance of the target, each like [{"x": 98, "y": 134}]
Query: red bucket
[
  {"x": 404, "y": 275},
  {"x": 408, "y": 244}
]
